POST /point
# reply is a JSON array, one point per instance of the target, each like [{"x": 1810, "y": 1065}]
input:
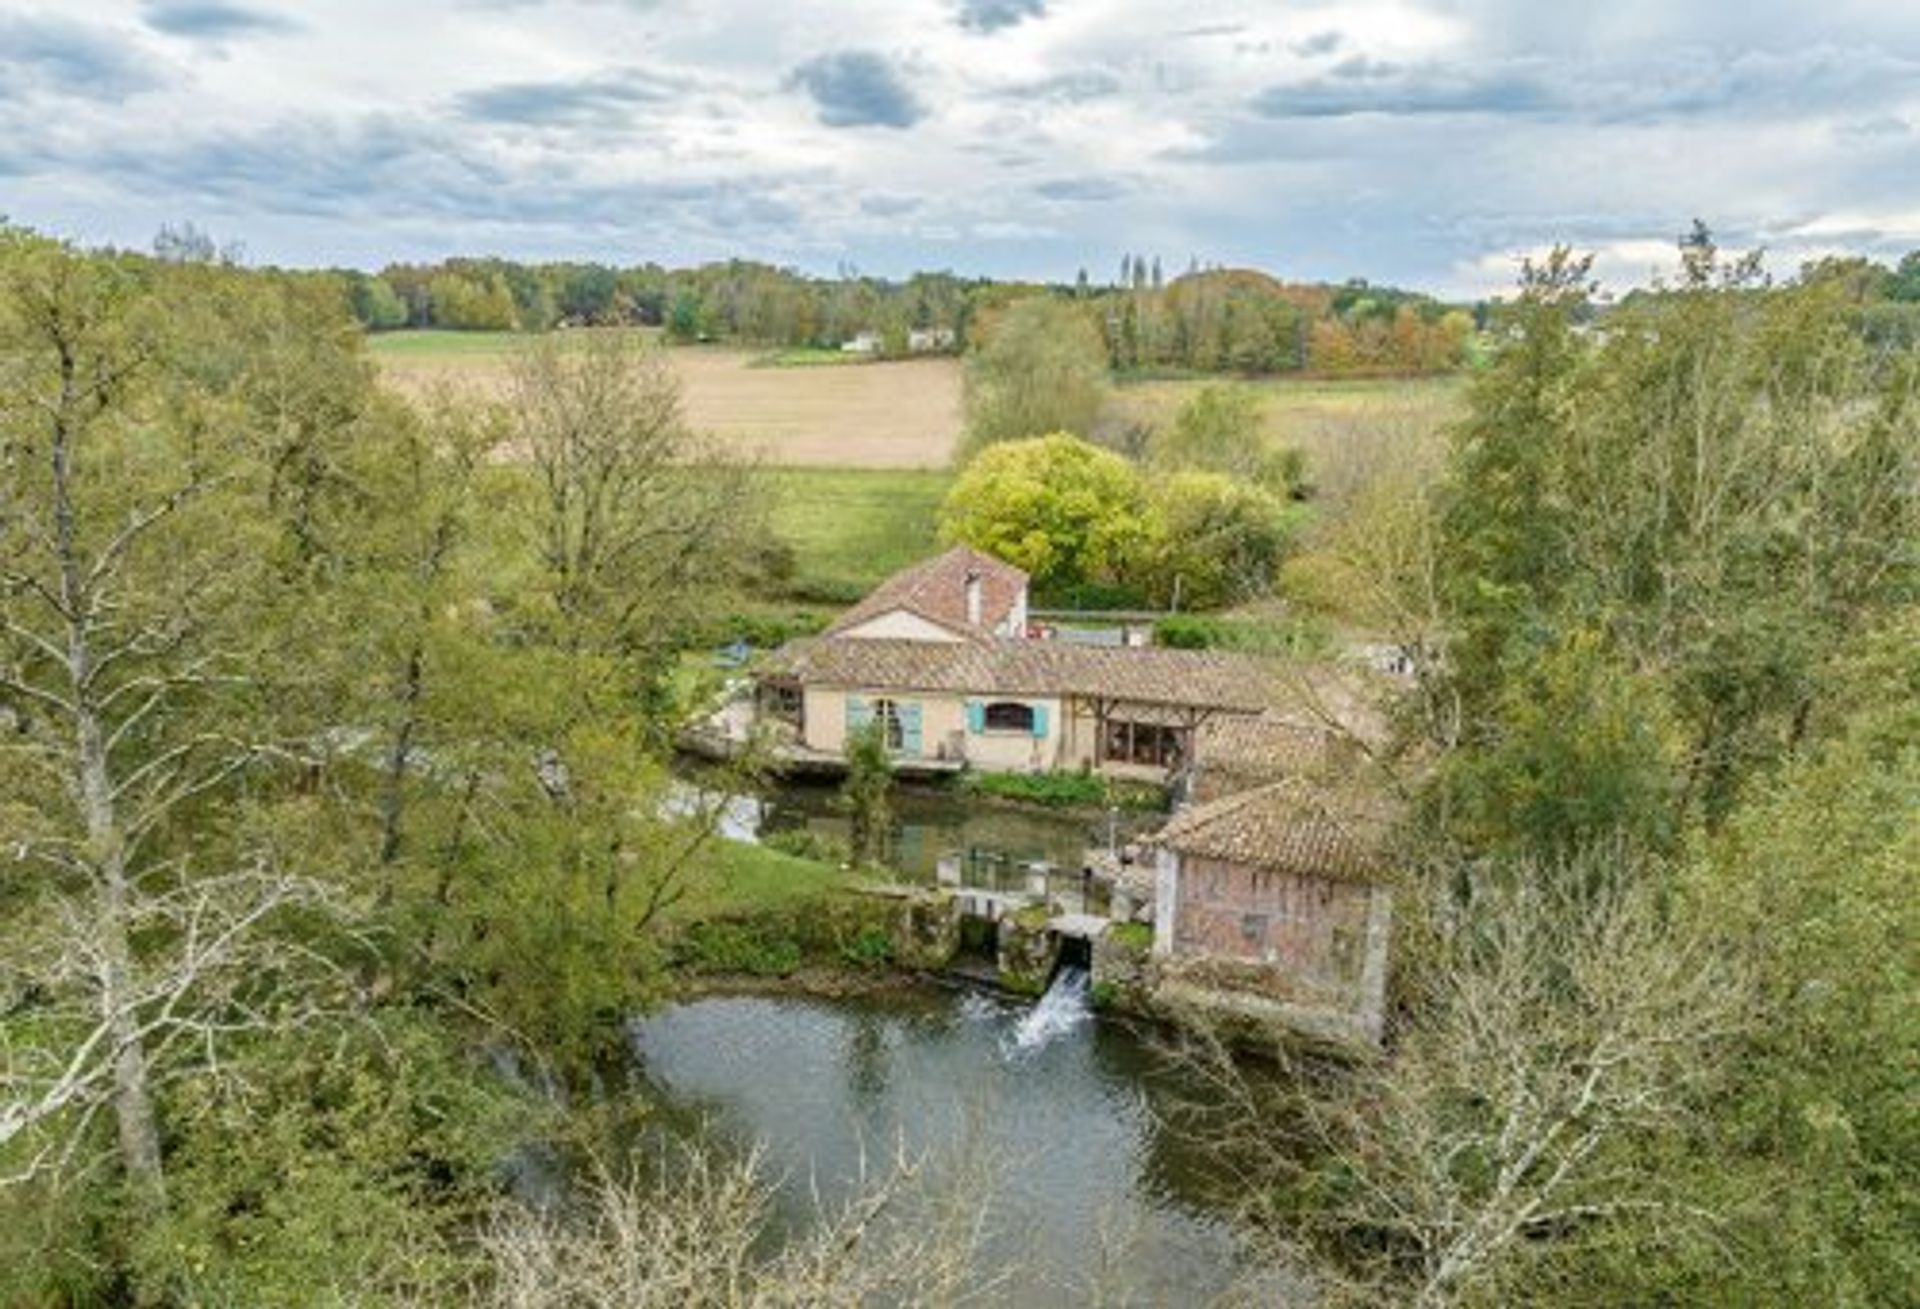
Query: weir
[{"x": 1064, "y": 1007}]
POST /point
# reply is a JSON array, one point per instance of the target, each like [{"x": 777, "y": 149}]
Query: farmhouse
[
  {"x": 1278, "y": 896},
  {"x": 940, "y": 654}
]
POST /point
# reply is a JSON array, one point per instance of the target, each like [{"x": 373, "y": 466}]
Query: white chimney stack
[{"x": 975, "y": 605}]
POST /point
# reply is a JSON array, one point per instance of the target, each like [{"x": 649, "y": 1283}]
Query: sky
[{"x": 1426, "y": 143}]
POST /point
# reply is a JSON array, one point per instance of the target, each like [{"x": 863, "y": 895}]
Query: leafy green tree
[
  {"x": 466, "y": 304},
  {"x": 1904, "y": 286},
  {"x": 865, "y": 794},
  {"x": 141, "y": 937},
  {"x": 348, "y": 1169},
  {"x": 1811, "y": 887},
  {"x": 1221, "y": 429},
  {"x": 1581, "y": 753},
  {"x": 1219, "y": 541},
  {"x": 377, "y": 304},
  {"x": 1043, "y": 369},
  {"x": 1066, "y": 511},
  {"x": 1643, "y": 488}
]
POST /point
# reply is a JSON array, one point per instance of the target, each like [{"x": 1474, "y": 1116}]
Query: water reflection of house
[
  {"x": 1275, "y": 901},
  {"x": 940, "y": 655}
]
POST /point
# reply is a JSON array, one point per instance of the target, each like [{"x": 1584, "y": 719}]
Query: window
[
  {"x": 888, "y": 714},
  {"x": 783, "y": 701},
  {"x": 1157, "y": 745},
  {"x": 1008, "y": 716}
]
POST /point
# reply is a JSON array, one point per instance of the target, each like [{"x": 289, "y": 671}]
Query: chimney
[{"x": 974, "y": 602}]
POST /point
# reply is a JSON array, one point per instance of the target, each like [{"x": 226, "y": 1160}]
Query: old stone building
[{"x": 1278, "y": 896}]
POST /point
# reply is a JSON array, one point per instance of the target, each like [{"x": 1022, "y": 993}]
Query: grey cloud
[
  {"x": 857, "y": 88},
  {"x": 58, "y": 56},
  {"x": 1886, "y": 125},
  {"x": 1082, "y": 189},
  {"x": 992, "y": 15},
  {"x": 393, "y": 171},
  {"x": 1320, "y": 43},
  {"x": 1361, "y": 86},
  {"x": 213, "y": 20},
  {"x": 606, "y": 99},
  {"x": 1799, "y": 83},
  {"x": 884, "y": 205},
  {"x": 1074, "y": 87}
]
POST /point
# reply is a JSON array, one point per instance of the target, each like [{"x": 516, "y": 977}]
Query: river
[
  {"x": 928, "y": 821},
  {"x": 1052, "y": 1120}
]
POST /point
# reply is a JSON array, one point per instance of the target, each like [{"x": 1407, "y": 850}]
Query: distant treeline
[{"x": 1204, "y": 320}]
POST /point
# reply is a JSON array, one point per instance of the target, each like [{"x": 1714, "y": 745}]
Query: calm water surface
[{"x": 1056, "y": 1126}]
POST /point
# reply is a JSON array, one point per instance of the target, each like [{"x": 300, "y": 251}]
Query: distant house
[
  {"x": 1279, "y": 895},
  {"x": 940, "y": 655},
  {"x": 861, "y": 343},
  {"x": 930, "y": 340}
]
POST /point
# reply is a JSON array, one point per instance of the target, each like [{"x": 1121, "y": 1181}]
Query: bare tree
[
  {"x": 122, "y": 953},
  {"x": 637, "y": 513},
  {"x": 697, "y": 1235},
  {"x": 1550, "y": 1037}
]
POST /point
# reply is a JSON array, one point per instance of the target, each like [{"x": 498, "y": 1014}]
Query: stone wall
[{"x": 1308, "y": 941}]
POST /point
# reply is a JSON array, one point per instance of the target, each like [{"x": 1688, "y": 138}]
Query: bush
[
  {"x": 1289, "y": 635},
  {"x": 1066, "y": 790},
  {"x": 805, "y": 843},
  {"x": 1094, "y": 596},
  {"x": 870, "y": 947},
  {"x": 1186, "y": 632},
  {"x": 758, "y": 949},
  {"x": 1218, "y": 541},
  {"x": 1053, "y": 790}
]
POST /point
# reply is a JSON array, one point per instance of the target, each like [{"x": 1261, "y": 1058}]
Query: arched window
[
  {"x": 888, "y": 714},
  {"x": 1009, "y": 716}
]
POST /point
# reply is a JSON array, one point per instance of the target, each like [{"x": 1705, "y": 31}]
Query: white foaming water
[
  {"x": 977, "y": 1008},
  {"x": 1063, "y": 1008}
]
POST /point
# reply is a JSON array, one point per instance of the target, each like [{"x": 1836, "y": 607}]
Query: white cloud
[{"x": 1420, "y": 141}]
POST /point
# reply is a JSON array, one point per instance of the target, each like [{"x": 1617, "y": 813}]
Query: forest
[
  {"x": 336, "y": 850},
  {"x": 1204, "y": 320}
]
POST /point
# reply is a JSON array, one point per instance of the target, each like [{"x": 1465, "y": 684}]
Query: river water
[
  {"x": 1050, "y": 1119},
  {"x": 927, "y": 822}
]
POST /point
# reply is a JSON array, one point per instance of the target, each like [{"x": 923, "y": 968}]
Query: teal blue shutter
[
  {"x": 976, "y": 716},
  {"x": 910, "y": 728},
  {"x": 858, "y": 714},
  {"x": 1039, "y": 720}
]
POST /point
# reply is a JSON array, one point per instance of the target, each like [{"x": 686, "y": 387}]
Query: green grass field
[
  {"x": 434, "y": 348},
  {"x": 744, "y": 878},
  {"x": 850, "y": 527},
  {"x": 432, "y": 345}
]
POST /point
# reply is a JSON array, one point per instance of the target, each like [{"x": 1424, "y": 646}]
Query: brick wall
[{"x": 1312, "y": 931}]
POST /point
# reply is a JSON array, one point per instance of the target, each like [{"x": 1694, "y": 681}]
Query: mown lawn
[
  {"x": 742, "y": 878},
  {"x": 851, "y": 527},
  {"x": 431, "y": 347}
]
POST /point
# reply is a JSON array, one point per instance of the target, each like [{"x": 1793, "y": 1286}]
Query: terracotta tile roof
[
  {"x": 1197, "y": 679},
  {"x": 1293, "y": 826},
  {"x": 1267, "y": 747},
  {"x": 936, "y": 589}
]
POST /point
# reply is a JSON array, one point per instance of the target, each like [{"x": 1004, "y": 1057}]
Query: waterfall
[{"x": 1063, "y": 1008}]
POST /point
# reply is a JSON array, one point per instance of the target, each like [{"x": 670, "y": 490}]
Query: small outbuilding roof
[
  {"x": 936, "y": 589},
  {"x": 1194, "y": 679},
  {"x": 1293, "y": 826}
]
